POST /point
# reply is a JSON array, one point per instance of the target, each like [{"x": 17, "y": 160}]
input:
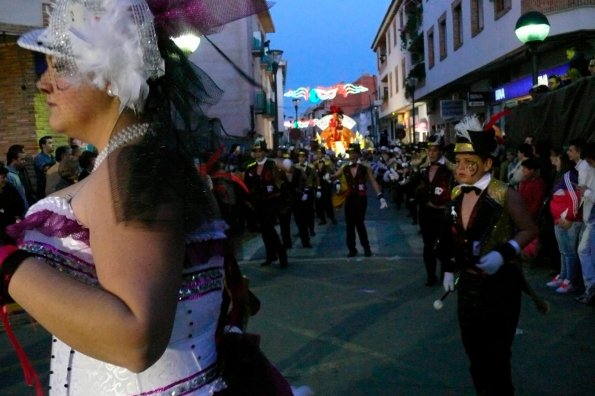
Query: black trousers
[
  {"x": 432, "y": 222},
  {"x": 324, "y": 205},
  {"x": 267, "y": 212},
  {"x": 488, "y": 312},
  {"x": 355, "y": 213}
]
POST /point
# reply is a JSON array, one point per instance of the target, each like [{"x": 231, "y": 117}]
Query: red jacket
[
  {"x": 533, "y": 193},
  {"x": 566, "y": 197}
]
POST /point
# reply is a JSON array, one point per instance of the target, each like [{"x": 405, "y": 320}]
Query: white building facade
[{"x": 472, "y": 61}]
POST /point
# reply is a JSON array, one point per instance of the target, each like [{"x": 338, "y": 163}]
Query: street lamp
[
  {"x": 275, "y": 56},
  {"x": 531, "y": 29},
  {"x": 187, "y": 42},
  {"x": 412, "y": 84},
  {"x": 296, "y": 104}
]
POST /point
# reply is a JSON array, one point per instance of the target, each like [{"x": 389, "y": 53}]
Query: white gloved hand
[
  {"x": 448, "y": 282},
  {"x": 394, "y": 176},
  {"x": 304, "y": 197},
  {"x": 318, "y": 194},
  {"x": 327, "y": 177},
  {"x": 383, "y": 204},
  {"x": 338, "y": 186},
  {"x": 491, "y": 262}
]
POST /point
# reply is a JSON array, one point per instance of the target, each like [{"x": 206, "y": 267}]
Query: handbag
[{"x": 243, "y": 365}]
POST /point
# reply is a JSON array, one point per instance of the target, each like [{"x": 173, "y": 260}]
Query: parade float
[{"x": 336, "y": 130}]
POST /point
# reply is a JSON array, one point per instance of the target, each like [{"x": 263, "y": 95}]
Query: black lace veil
[{"x": 160, "y": 170}]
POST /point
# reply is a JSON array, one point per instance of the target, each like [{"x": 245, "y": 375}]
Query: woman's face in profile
[{"x": 73, "y": 101}]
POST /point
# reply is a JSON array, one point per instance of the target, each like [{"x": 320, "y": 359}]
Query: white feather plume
[
  {"x": 469, "y": 123},
  {"x": 108, "y": 48}
]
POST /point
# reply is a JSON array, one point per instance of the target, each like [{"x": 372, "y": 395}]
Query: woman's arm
[{"x": 128, "y": 320}]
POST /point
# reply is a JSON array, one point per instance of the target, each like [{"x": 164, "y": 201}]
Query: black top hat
[
  {"x": 482, "y": 143},
  {"x": 260, "y": 145},
  {"x": 436, "y": 140},
  {"x": 354, "y": 148},
  {"x": 472, "y": 139}
]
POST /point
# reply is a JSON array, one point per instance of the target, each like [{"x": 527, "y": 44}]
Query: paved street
[{"x": 366, "y": 326}]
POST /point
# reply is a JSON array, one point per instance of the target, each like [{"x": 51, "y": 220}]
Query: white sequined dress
[{"x": 188, "y": 366}]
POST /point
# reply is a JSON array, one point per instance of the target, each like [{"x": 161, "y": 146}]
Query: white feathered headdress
[
  {"x": 110, "y": 42},
  {"x": 468, "y": 123}
]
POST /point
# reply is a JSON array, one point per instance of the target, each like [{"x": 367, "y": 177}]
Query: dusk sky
[{"x": 326, "y": 42}]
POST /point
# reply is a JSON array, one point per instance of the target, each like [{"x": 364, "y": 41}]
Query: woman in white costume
[{"x": 125, "y": 268}]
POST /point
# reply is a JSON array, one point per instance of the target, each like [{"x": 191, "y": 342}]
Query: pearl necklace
[{"x": 126, "y": 135}]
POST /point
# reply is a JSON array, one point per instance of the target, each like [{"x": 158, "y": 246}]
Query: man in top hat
[
  {"x": 433, "y": 193},
  {"x": 356, "y": 175},
  {"x": 306, "y": 204},
  {"x": 294, "y": 195},
  {"x": 489, "y": 225},
  {"x": 324, "y": 204},
  {"x": 263, "y": 179}
]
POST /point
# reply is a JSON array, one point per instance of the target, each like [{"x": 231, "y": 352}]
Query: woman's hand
[{"x": 565, "y": 224}]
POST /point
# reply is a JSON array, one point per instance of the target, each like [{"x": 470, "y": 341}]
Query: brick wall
[
  {"x": 547, "y": 6},
  {"x": 17, "y": 90}
]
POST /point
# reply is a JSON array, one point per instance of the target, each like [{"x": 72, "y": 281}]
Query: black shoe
[
  {"x": 266, "y": 263},
  {"x": 283, "y": 263},
  {"x": 322, "y": 222},
  {"x": 367, "y": 253},
  {"x": 352, "y": 253},
  {"x": 307, "y": 245},
  {"x": 334, "y": 221},
  {"x": 586, "y": 299}
]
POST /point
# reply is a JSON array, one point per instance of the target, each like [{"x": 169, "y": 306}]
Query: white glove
[
  {"x": 394, "y": 176},
  {"x": 318, "y": 194},
  {"x": 327, "y": 177},
  {"x": 304, "y": 197},
  {"x": 491, "y": 262},
  {"x": 383, "y": 204},
  {"x": 449, "y": 281},
  {"x": 338, "y": 186}
]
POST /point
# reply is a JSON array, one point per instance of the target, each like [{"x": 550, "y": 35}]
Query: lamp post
[
  {"x": 296, "y": 104},
  {"x": 531, "y": 29},
  {"x": 187, "y": 42},
  {"x": 411, "y": 84},
  {"x": 275, "y": 56}
]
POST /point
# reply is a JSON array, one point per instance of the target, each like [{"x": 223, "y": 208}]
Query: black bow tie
[{"x": 467, "y": 189}]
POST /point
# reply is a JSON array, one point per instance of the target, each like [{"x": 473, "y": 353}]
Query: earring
[{"x": 110, "y": 92}]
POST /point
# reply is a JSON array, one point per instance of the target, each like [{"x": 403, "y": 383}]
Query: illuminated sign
[
  {"x": 315, "y": 95},
  {"x": 521, "y": 87}
]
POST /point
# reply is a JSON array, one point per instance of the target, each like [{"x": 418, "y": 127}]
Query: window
[
  {"x": 395, "y": 32},
  {"x": 396, "y": 79},
  {"x": 457, "y": 24},
  {"x": 403, "y": 72},
  {"x": 430, "y": 41},
  {"x": 501, "y": 7},
  {"x": 476, "y": 17},
  {"x": 388, "y": 46},
  {"x": 442, "y": 36},
  {"x": 390, "y": 84}
]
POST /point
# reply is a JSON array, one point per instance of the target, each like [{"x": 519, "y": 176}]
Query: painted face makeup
[{"x": 469, "y": 168}]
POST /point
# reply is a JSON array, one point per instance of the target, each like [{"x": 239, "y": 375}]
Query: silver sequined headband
[{"x": 108, "y": 41}]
